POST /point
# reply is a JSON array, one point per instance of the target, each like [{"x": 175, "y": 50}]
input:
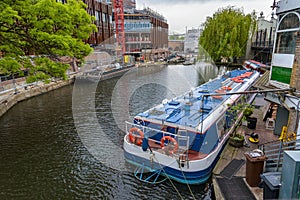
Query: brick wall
[
  {"x": 295, "y": 78},
  {"x": 295, "y": 83}
]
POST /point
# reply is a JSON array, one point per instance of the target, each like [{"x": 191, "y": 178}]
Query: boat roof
[
  {"x": 191, "y": 108},
  {"x": 255, "y": 64}
]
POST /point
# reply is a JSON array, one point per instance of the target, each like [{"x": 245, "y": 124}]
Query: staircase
[{"x": 274, "y": 152}]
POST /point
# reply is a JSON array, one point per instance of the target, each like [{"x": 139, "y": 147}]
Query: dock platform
[{"x": 236, "y": 187}]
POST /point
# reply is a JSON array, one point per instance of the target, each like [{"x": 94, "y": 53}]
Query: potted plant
[
  {"x": 248, "y": 110},
  {"x": 236, "y": 140},
  {"x": 240, "y": 112},
  {"x": 251, "y": 121}
]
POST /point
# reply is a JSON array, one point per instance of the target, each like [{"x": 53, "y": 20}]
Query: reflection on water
[{"x": 42, "y": 155}]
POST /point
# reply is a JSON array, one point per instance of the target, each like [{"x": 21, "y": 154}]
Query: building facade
[
  {"x": 284, "y": 53},
  {"x": 129, "y": 4},
  {"x": 263, "y": 40},
  {"x": 191, "y": 41},
  {"x": 176, "y": 43},
  {"x": 285, "y": 68},
  {"x": 102, "y": 11},
  {"x": 146, "y": 32}
]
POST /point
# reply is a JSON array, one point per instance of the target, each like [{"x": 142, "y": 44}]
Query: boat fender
[
  {"x": 254, "y": 135},
  {"x": 169, "y": 138},
  {"x": 253, "y": 140},
  {"x": 138, "y": 140},
  {"x": 145, "y": 144}
]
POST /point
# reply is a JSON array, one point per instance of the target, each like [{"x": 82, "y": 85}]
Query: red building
[
  {"x": 102, "y": 11},
  {"x": 103, "y": 15}
]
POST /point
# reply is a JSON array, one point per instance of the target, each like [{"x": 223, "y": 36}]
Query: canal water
[{"x": 67, "y": 144}]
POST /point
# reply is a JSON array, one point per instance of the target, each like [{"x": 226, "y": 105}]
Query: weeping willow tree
[{"x": 225, "y": 35}]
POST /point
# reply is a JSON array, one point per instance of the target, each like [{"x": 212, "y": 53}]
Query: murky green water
[{"x": 43, "y": 156}]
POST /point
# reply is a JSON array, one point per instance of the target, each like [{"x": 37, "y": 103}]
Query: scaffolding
[{"x": 119, "y": 22}]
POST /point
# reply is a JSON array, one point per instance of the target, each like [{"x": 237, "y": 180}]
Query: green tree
[
  {"x": 44, "y": 28},
  {"x": 227, "y": 32},
  {"x": 10, "y": 67}
]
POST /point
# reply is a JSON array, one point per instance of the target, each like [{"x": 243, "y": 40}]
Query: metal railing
[
  {"x": 149, "y": 133},
  {"x": 263, "y": 44},
  {"x": 274, "y": 153}
]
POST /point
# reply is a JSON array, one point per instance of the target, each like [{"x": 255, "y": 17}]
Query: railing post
[
  {"x": 278, "y": 158},
  {"x": 187, "y": 148}
]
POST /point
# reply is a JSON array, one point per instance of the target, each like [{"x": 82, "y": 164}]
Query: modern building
[
  {"x": 129, "y": 4},
  {"x": 146, "y": 32},
  {"x": 263, "y": 40},
  {"x": 191, "y": 41},
  {"x": 102, "y": 10}
]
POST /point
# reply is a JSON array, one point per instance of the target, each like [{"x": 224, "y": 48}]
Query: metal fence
[{"x": 274, "y": 153}]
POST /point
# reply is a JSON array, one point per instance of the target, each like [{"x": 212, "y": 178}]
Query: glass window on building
[
  {"x": 287, "y": 33},
  {"x": 290, "y": 21},
  {"x": 286, "y": 42},
  {"x": 285, "y": 46},
  {"x": 97, "y": 15},
  {"x": 104, "y": 17}
]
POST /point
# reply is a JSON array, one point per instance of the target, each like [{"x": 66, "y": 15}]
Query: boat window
[{"x": 221, "y": 126}]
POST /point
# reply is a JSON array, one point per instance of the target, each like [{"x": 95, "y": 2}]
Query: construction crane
[{"x": 119, "y": 22}]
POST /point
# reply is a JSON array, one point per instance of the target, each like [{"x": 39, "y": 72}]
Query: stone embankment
[
  {"x": 14, "y": 91},
  {"x": 9, "y": 98}
]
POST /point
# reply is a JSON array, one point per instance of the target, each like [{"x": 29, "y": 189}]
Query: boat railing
[{"x": 154, "y": 137}]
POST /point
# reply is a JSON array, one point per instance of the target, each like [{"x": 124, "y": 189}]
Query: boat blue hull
[{"x": 198, "y": 177}]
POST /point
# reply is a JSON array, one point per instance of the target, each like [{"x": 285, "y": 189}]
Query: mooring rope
[
  {"x": 187, "y": 183},
  {"x": 168, "y": 178}
]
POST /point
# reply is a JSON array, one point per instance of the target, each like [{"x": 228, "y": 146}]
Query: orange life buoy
[
  {"x": 162, "y": 143},
  {"x": 138, "y": 140}
]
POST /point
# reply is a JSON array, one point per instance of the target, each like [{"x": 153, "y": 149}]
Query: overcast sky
[{"x": 192, "y": 13}]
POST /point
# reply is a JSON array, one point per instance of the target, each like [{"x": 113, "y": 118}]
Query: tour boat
[{"x": 182, "y": 138}]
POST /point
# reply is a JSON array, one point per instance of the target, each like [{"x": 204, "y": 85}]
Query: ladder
[{"x": 183, "y": 139}]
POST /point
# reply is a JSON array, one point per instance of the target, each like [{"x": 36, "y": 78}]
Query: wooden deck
[{"x": 230, "y": 153}]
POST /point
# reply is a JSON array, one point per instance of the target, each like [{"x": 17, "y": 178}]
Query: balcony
[{"x": 263, "y": 44}]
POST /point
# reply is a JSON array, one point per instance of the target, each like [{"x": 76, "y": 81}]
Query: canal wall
[{"x": 12, "y": 97}]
